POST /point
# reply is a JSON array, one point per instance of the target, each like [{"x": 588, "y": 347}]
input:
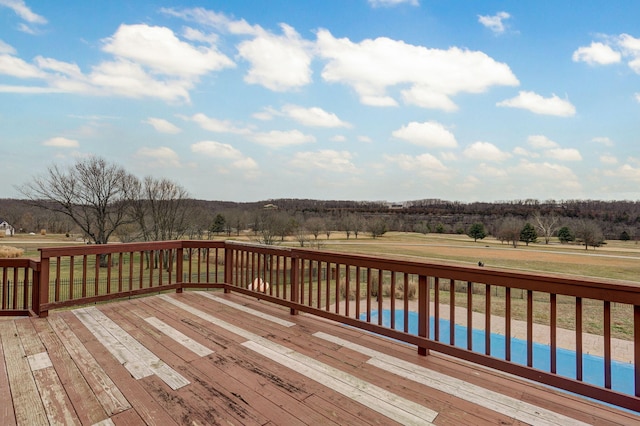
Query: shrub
[
  {"x": 412, "y": 290},
  {"x": 10, "y": 252}
]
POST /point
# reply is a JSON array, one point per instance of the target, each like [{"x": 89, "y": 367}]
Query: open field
[{"x": 619, "y": 260}]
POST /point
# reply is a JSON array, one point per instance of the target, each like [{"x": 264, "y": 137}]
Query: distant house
[
  {"x": 270, "y": 207},
  {"x": 6, "y": 227}
]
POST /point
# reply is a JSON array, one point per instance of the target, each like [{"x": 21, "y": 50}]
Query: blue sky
[{"x": 329, "y": 99}]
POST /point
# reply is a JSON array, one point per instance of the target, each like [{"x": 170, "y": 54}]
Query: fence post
[
  {"x": 423, "y": 312},
  {"x": 179, "y": 268},
  {"x": 295, "y": 285},
  {"x": 43, "y": 286},
  {"x": 228, "y": 267},
  {"x": 35, "y": 287}
]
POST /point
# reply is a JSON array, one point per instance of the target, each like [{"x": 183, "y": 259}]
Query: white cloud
[
  {"x": 597, "y": 53},
  {"x": 433, "y": 75},
  {"x": 16, "y": 67},
  {"x": 159, "y": 49},
  {"x": 546, "y": 173},
  {"x": 126, "y": 78},
  {"x": 215, "y": 125},
  {"x": 564, "y": 154},
  {"x": 314, "y": 116},
  {"x": 149, "y": 61},
  {"x": 217, "y": 20},
  {"x": 160, "y": 157},
  {"x": 23, "y": 11},
  {"x": 630, "y": 44},
  {"x": 391, "y": 3},
  {"x": 608, "y": 159},
  {"x": 280, "y": 139},
  {"x": 541, "y": 142},
  {"x": 278, "y": 63},
  {"x": 163, "y": 126},
  {"x": 424, "y": 164},
  {"x": 485, "y": 151},
  {"x": 338, "y": 138},
  {"x": 525, "y": 153},
  {"x": 325, "y": 159},
  {"x": 491, "y": 171},
  {"x": 365, "y": 139},
  {"x": 226, "y": 152},
  {"x": 6, "y": 49},
  {"x": 603, "y": 140},
  {"x": 430, "y": 134},
  {"x": 611, "y": 51},
  {"x": 626, "y": 172},
  {"x": 637, "y": 96},
  {"x": 494, "y": 23},
  {"x": 539, "y": 105},
  {"x": 61, "y": 142}
]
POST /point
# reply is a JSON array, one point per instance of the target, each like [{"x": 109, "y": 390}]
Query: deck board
[{"x": 232, "y": 359}]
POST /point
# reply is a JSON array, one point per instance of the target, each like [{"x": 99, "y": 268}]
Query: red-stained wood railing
[
  {"x": 16, "y": 290},
  {"x": 353, "y": 290}
]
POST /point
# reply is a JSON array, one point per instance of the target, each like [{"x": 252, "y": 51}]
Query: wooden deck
[{"x": 201, "y": 358}]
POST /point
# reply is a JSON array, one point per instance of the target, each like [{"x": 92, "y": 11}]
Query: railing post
[
  {"x": 295, "y": 285},
  {"x": 228, "y": 267},
  {"x": 35, "y": 287},
  {"x": 43, "y": 286},
  {"x": 636, "y": 347},
  {"x": 179, "y": 268},
  {"x": 423, "y": 312}
]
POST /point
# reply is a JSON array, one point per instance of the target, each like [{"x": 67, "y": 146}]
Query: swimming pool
[{"x": 622, "y": 374}]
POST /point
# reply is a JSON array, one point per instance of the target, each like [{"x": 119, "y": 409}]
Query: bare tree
[
  {"x": 92, "y": 193},
  {"x": 509, "y": 230},
  {"x": 547, "y": 225},
  {"x": 589, "y": 233},
  {"x": 160, "y": 208},
  {"x": 315, "y": 225}
]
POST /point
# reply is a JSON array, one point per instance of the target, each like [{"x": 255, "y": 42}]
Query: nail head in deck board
[
  {"x": 28, "y": 406},
  {"x": 85, "y": 400}
]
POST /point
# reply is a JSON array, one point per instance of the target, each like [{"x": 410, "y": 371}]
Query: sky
[{"x": 372, "y": 100}]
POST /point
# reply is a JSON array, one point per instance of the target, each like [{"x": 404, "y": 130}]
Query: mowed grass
[{"x": 617, "y": 260}]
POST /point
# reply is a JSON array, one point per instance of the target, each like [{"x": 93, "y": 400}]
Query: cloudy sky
[{"x": 247, "y": 100}]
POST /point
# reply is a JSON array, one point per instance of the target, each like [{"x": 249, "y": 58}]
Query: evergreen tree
[
  {"x": 564, "y": 235},
  {"x": 477, "y": 232},
  {"x": 528, "y": 234}
]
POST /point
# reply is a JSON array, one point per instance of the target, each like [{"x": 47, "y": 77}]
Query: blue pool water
[{"x": 622, "y": 374}]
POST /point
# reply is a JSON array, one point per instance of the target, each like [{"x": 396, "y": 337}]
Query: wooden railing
[{"x": 435, "y": 307}]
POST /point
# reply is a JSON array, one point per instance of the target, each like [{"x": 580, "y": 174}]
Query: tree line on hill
[{"x": 101, "y": 201}]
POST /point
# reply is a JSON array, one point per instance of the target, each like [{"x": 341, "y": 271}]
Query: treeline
[{"x": 615, "y": 219}]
